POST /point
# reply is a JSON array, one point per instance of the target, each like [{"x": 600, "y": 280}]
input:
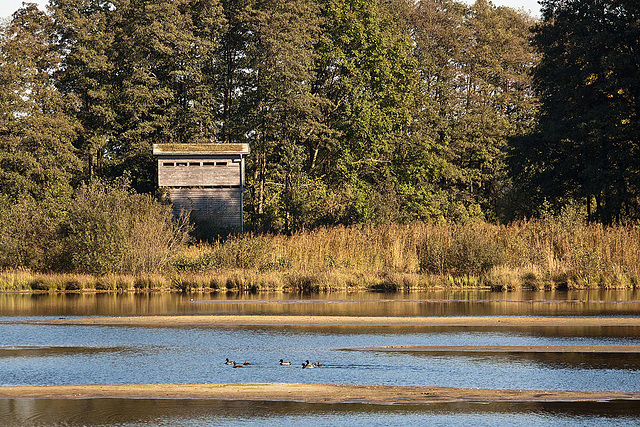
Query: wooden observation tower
[{"x": 206, "y": 180}]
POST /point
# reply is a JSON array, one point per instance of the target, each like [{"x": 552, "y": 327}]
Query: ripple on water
[{"x": 160, "y": 412}]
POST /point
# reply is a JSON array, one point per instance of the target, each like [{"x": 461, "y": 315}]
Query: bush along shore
[{"x": 542, "y": 254}]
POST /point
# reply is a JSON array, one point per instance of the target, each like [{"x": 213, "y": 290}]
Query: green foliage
[
  {"x": 585, "y": 146},
  {"x": 84, "y": 41},
  {"x": 37, "y": 158},
  {"x": 357, "y": 112},
  {"x": 28, "y": 233},
  {"x": 283, "y": 112},
  {"x": 366, "y": 73},
  {"x": 475, "y": 93},
  {"x": 109, "y": 229}
]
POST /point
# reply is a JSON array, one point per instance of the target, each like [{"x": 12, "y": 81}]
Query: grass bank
[{"x": 541, "y": 254}]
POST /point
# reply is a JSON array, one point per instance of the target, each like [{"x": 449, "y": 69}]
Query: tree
[
  {"x": 37, "y": 158},
  {"x": 84, "y": 38},
  {"x": 439, "y": 34},
  {"x": 366, "y": 73},
  {"x": 282, "y": 111},
  {"x": 496, "y": 103},
  {"x": 475, "y": 93},
  {"x": 38, "y": 162},
  {"x": 159, "y": 87},
  {"x": 586, "y": 144},
  {"x": 232, "y": 69}
]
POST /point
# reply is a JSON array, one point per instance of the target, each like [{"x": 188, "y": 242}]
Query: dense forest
[{"x": 356, "y": 111}]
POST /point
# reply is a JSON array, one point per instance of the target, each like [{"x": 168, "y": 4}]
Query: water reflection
[
  {"x": 570, "y": 360},
  {"x": 428, "y": 303},
  {"x": 46, "y": 351},
  {"x": 147, "y": 412},
  {"x": 604, "y": 334},
  {"x": 42, "y": 354}
]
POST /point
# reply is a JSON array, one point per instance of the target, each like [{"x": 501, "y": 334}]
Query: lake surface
[
  {"x": 432, "y": 303},
  {"x": 142, "y": 412},
  {"x": 68, "y": 354}
]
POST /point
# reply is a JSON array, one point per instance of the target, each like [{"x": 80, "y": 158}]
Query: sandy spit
[
  {"x": 276, "y": 320},
  {"x": 311, "y": 393}
]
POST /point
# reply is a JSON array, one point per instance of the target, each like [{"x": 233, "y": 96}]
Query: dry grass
[
  {"x": 536, "y": 254},
  {"x": 541, "y": 254}
]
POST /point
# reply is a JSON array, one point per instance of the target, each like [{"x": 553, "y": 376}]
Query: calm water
[
  {"x": 141, "y": 412},
  {"x": 48, "y": 355},
  {"x": 434, "y": 303}
]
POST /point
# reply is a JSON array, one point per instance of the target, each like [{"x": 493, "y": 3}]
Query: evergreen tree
[
  {"x": 84, "y": 37},
  {"x": 160, "y": 92},
  {"x": 232, "y": 70},
  {"x": 37, "y": 158},
  {"x": 586, "y": 144}
]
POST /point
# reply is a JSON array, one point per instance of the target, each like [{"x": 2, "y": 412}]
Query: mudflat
[
  {"x": 311, "y": 393},
  {"x": 344, "y": 321}
]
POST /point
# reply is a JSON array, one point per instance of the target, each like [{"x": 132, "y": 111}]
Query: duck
[
  {"x": 308, "y": 365},
  {"x": 283, "y": 362},
  {"x": 229, "y": 362},
  {"x": 235, "y": 365},
  {"x": 246, "y": 362},
  {"x": 320, "y": 364}
]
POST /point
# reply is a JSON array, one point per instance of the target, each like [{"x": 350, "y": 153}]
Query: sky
[{"x": 7, "y": 7}]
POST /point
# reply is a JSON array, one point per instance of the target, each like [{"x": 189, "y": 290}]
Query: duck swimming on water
[
  {"x": 308, "y": 365},
  {"x": 283, "y": 362},
  {"x": 229, "y": 362}
]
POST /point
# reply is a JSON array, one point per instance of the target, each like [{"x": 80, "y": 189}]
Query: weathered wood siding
[
  {"x": 192, "y": 172},
  {"x": 205, "y": 179},
  {"x": 221, "y": 206}
]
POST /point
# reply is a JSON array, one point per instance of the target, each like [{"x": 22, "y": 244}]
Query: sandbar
[
  {"x": 311, "y": 393},
  {"x": 342, "y": 321}
]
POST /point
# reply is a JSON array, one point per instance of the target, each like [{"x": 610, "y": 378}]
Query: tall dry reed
[
  {"x": 540, "y": 253},
  {"x": 536, "y": 253}
]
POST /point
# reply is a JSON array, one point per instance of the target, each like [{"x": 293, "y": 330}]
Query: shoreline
[
  {"x": 317, "y": 280},
  {"x": 339, "y": 321},
  {"x": 308, "y": 393},
  {"x": 375, "y": 288}
]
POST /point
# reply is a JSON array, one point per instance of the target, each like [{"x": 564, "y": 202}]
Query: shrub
[
  {"x": 462, "y": 250},
  {"x": 28, "y": 233},
  {"x": 110, "y": 230}
]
